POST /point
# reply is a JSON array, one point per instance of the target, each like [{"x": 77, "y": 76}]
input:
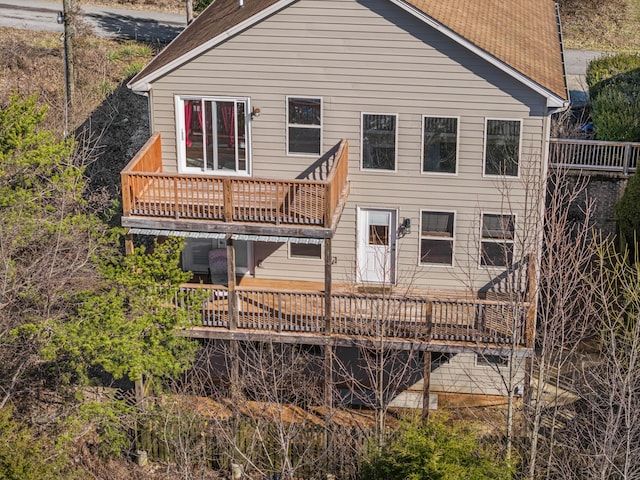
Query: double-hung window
[
  {"x": 440, "y": 144},
  {"x": 379, "y": 133},
  {"x": 212, "y": 135},
  {"x": 502, "y": 147},
  {"x": 304, "y": 125},
  {"x": 436, "y": 238},
  {"x": 496, "y": 249}
]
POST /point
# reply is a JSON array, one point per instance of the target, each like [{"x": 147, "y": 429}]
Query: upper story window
[
  {"x": 436, "y": 238},
  {"x": 440, "y": 145},
  {"x": 212, "y": 135},
  {"x": 304, "y": 125},
  {"x": 496, "y": 249},
  {"x": 502, "y": 147},
  {"x": 379, "y": 133}
]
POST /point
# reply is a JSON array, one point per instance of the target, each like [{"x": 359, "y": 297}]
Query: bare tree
[
  {"x": 268, "y": 417},
  {"x": 564, "y": 301},
  {"x": 602, "y": 439}
]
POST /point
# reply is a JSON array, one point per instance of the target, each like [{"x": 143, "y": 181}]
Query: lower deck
[{"x": 301, "y": 312}]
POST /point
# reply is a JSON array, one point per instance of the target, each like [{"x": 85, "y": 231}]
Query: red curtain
[
  {"x": 189, "y": 105},
  {"x": 188, "y": 111},
  {"x": 228, "y": 122}
]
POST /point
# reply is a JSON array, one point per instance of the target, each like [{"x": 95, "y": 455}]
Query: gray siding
[
  {"x": 462, "y": 374},
  {"x": 369, "y": 56}
]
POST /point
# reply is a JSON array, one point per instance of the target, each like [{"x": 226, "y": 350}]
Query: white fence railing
[{"x": 594, "y": 155}]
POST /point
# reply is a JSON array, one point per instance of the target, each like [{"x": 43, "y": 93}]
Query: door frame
[
  {"x": 393, "y": 243},
  {"x": 180, "y": 134}
]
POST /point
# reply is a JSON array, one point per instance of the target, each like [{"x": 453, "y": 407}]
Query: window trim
[
  {"x": 422, "y": 171},
  {"x": 290, "y": 256},
  {"x": 452, "y": 239},
  {"x": 499, "y": 241},
  {"x": 395, "y": 153},
  {"x": 484, "y": 148},
  {"x": 181, "y": 154},
  {"x": 296, "y": 125}
]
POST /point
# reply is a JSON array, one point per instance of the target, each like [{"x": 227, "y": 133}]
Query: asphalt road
[{"x": 107, "y": 22}]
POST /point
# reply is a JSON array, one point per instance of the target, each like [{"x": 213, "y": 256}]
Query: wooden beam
[
  {"x": 227, "y": 199},
  {"x": 139, "y": 391},
  {"x": 231, "y": 279},
  {"x": 128, "y": 244},
  {"x": 328, "y": 377},
  {"x": 235, "y": 370},
  {"x": 208, "y": 226},
  {"x": 328, "y": 314},
  {"x": 530, "y": 320},
  {"x": 426, "y": 387},
  {"x": 429, "y": 321},
  {"x": 223, "y": 333}
]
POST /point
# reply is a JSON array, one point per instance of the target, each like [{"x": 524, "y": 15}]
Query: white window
[
  {"x": 439, "y": 144},
  {"x": 305, "y": 250},
  {"x": 304, "y": 125},
  {"x": 212, "y": 135},
  {"x": 378, "y": 146},
  {"x": 496, "y": 249},
  {"x": 502, "y": 147},
  {"x": 436, "y": 238}
]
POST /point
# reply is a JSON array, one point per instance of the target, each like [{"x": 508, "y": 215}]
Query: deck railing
[
  {"x": 594, "y": 155},
  {"x": 367, "y": 316},
  {"x": 147, "y": 191}
]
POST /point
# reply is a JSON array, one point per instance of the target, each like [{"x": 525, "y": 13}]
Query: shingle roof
[
  {"x": 522, "y": 34},
  {"x": 214, "y": 21}
]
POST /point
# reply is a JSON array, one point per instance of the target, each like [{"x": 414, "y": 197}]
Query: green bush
[
  {"x": 616, "y": 112},
  {"x": 435, "y": 451},
  {"x": 609, "y": 67},
  {"x": 23, "y": 456},
  {"x": 614, "y": 88}
]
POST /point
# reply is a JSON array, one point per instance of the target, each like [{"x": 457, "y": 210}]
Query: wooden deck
[
  {"x": 148, "y": 193},
  {"x": 408, "y": 317}
]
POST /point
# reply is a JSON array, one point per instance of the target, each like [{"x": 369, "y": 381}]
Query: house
[{"x": 322, "y": 157}]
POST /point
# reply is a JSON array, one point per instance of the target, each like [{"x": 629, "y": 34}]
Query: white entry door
[{"x": 376, "y": 246}]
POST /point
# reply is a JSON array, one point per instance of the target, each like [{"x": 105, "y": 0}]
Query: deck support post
[
  {"x": 328, "y": 327},
  {"x": 426, "y": 386},
  {"x": 233, "y": 318},
  {"x": 138, "y": 385},
  {"x": 328, "y": 347},
  {"x": 235, "y": 371},
  {"x": 128, "y": 244},
  {"x": 328, "y": 259},
  {"x": 231, "y": 283}
]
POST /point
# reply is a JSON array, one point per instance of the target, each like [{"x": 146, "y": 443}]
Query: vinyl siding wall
[
  {"x": 463, "y": 374},
  {"x": 369, "y": 56}
]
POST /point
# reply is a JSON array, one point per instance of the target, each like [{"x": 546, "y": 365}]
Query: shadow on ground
[{"x": 125, "y": 27}]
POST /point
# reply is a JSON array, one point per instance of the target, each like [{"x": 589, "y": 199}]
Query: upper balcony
[{"x": 230, "y": 204}]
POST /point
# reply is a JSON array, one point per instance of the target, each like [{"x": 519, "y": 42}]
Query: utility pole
[
  {"x": 189, "y": 4},
  {"x": 66, "y": 18}
]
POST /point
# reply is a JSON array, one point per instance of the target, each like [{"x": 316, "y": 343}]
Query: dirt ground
[
  {"x": 171, "y": 6},
  {"x": 108, "y": 120}
]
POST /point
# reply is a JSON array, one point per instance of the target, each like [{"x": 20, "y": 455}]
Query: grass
[
  {"x": 606, "y": 26},
  {"x": 34, "y": 64}
]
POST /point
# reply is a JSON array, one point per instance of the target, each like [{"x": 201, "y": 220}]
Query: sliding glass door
[{"x": 213, "y": 135}]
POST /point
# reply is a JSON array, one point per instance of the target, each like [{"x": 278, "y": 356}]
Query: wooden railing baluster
[
  {"x": 148, "y": 191},
  {"x": 594, "y": 155}
]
